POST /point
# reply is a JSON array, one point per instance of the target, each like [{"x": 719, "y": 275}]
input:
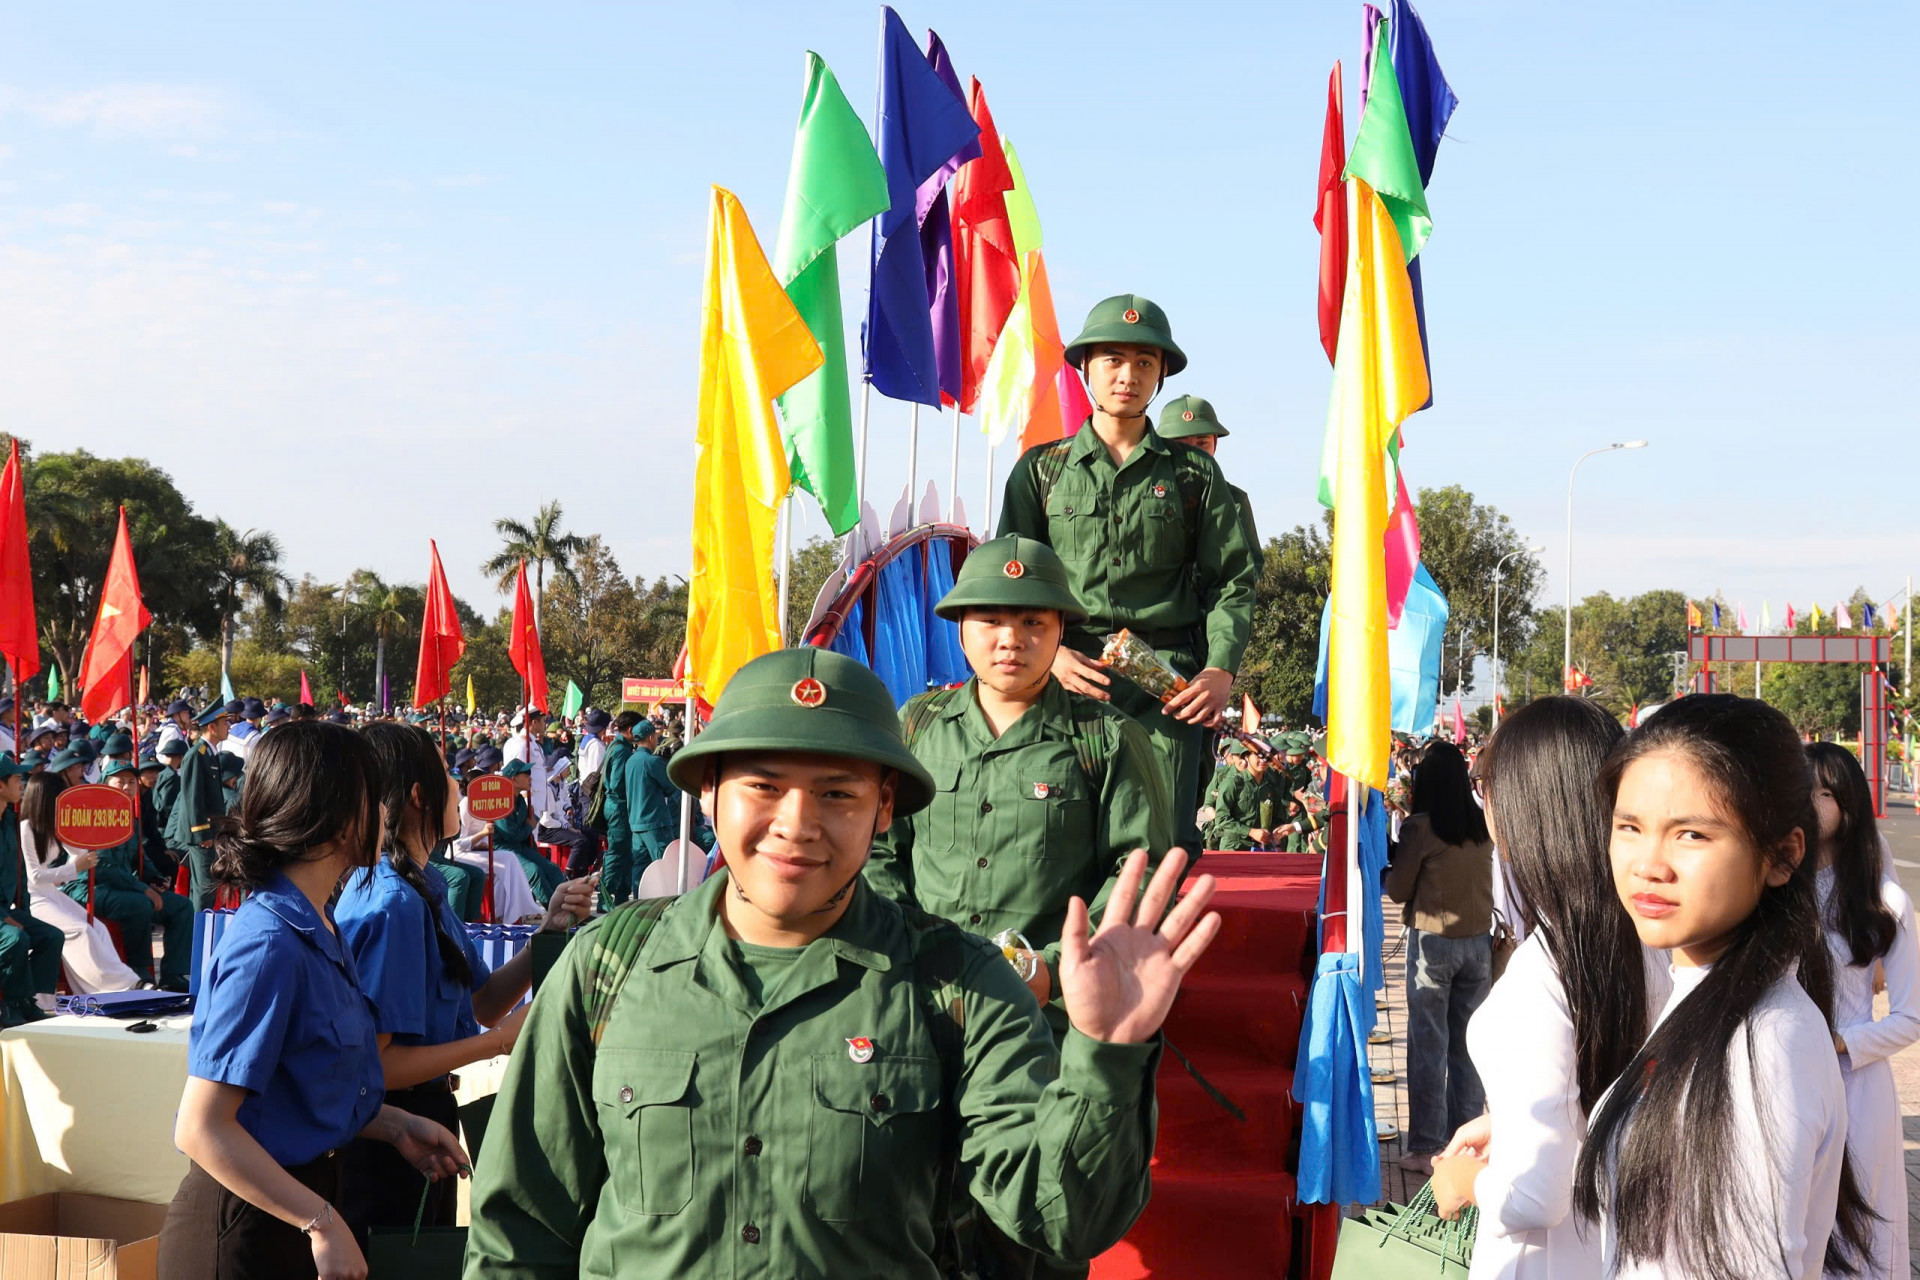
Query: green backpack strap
[
  {"x": 1049, "y": 460},
  {"x": 922, "y": 709},
  {"x": 616, "y": 945},
  {"x": 1091, "y": 748}
]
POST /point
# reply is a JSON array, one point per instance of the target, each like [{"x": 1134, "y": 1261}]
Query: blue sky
[{"x": 373, "y": 273}]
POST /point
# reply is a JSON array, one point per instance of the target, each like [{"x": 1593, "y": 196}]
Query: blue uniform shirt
[
  {"x": 281, "y": 1015},
  {"x": 387, "y": 927}
]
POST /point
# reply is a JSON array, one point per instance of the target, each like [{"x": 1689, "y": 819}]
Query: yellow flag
[
  {"x": 1379, "y": 378},
  {"x": 470, "y": 703},
  {"x": 753, "y": 346}
]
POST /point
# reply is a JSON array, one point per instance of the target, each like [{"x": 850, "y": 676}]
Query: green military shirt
[
  {"x": 166, "y": 790},
  {"x": 1157, "y": 544},
  {"x": 15, "y": 896},
  {"x": 650, "y": 803},
  {"x": 1017, "y": 826},
  {"x": 714, "y": 1134},
  {"x": 1220, "y": 795},
  {"x": 1253, "y": 532},
  {"x": 613, "y": 782},
  {"x": 115, "y": 868},
  {"x": 1299, "y": 778},
  {"x": 1240, "y": 808},
  {"x": 201, "y": 798}
]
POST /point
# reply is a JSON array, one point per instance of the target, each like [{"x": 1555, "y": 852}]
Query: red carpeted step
[
  {"x": 1199, "y": 1136},
  {"x": 1266, "y": 905},
  {"x": 1238, "y": 1016},
  {"x": 1218, "y": 1228}
]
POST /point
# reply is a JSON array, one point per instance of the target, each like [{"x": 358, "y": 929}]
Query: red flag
[
  {"x": 1403, "y": 549},
  {"x": 984, "y": 259},
  {"x": 1633, "y": 717},
  {"x": 1249, "y": 715},
  {"x": 1075, "y": 407},
  {"x": 104, "y": 672},
  {"x": 1459, "y": 723},
  {"x": 19, "y": 633},
  {"x": 441, "y": 643},
  {"x": 1330, "y": 218},
  {"x": 525, "y": 646},
  {"x": 1790, "y": 632},
  {"x": 306, "y": 690}
]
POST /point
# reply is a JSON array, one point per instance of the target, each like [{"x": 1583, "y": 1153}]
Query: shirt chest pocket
[
  {"x": 1076, "y": 525},
  {"x": 1163, "y": 530},
  {"x": 645, "y": 1102},
  {"x": 945, "y": 824},
  {"x": 1058, "y": 814},
  {"x": 873, "y": 1127}
]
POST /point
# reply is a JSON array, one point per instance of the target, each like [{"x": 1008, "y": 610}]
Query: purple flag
[
  {"x": 936, "y": 240},
  {"x": 923, "y": 124}
]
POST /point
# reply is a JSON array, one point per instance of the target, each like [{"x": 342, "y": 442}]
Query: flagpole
[
  {"x": 785, "y": 556},
  {"x": 913, "y": 463},
  {"x": 139, "y": 837},
  {"x": 860, "y": 497},
  {"x": 953, "y": 473},
  {"x": 986, "y": 530},
  {"x": 1356, "y": 917},
  {"x": 686, "y": 797}
]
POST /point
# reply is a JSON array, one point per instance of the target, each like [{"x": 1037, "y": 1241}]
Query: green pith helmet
[
  {"x": 1132, "y": 320},
  {"x": 1185, "y": 416},
  {"x": 1012, "y": 572},
  {"x": 116, "y": 768},
  {"x": 812, "y": 702},
  {"x": 1235, "y": 747},
  {"x": 1295, "y": 744}
]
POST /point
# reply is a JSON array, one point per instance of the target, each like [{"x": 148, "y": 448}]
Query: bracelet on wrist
[{"x": 320, "y": 1219}]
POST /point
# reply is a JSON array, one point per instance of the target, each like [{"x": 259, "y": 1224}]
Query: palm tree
[
  {"x": 540, "y": 544},
  {"x": 385, "y": 608},
  {"x": 246, "y": 566}
]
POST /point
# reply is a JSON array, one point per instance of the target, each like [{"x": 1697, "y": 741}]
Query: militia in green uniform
[
  {"x": 1252, "y": 802},
  {"x": 29, "y": 948},
  {"x": 775, "y": 1074},
  {"x": 1192, "y": 421},
  {"x": 120, "y": 896},
  {"x": 1039, "y": 794},
  {"x": 1152, "y": 536},
  {"x": 616, "y": 865},
  {"x": 650, "y": 807},
  {"x": 514, "y": 834},
  {"x": 201, "y": 800},
  {"x": 1232, "y": 767},
  {"x": 1298, "y": 775}
]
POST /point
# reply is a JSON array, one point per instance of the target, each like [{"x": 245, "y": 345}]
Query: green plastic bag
[{"x": 1404, "y": 1243}]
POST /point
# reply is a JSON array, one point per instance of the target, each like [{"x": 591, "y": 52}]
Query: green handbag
[{"x": 1395, "y": 1243}]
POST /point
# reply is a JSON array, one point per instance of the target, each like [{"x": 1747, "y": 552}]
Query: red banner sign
[
  {"x": 93, "y": 816},
  {"x": 490, "y": 797},
  {"x": 634, "y": 689}
]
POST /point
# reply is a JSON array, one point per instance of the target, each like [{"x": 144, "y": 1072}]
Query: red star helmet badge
[
  {"x": 1187, "y": 416},
  {"x": 860, "y": 1049},
  {"x": 1014, "y": 569},
  {"x": 1041, "y": 791},
  {"x": 1131, "y": 316},
  {"x": 809, "y": 692}
]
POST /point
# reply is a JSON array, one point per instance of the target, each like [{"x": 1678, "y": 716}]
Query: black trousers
[
  {"x": 380, "y": 1189},
  {"x": 212, "y": 1234}
]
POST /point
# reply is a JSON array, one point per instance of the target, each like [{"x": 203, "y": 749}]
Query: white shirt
[
  {"x": 168, "y": 732},
  {"x": 1868, "y": 1040},
  {"x": 1791, "y": 1164},
  {"x": 548, "y": 798},
  {"x": 593, "y": 753},
  {"x": 240, "y": 743}
]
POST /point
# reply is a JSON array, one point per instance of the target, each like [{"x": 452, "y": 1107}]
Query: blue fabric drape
[
  {"x": 851, "y": 639},
  {"x": 946, "y": 661},
  {"x": 1339, "y": 1150},
  {"x": 900, "y": 629},
  {"x": 1413, "y": 656}
]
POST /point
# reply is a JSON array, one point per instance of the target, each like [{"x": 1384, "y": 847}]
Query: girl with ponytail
[
  {"x": 1868, "y": 917},
  {"x": 1720, "y": 1153},
  {"x": 431, "y": 991}
]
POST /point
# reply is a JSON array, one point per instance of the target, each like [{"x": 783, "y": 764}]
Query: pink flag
[
  {"x": 1459, "y": 723},
  {"x": 306, "y": 690},
  {"x": 1842, "y": 617},
  {"x": 1403, "y": 550},
  {"x": 1743, "y": 619}
]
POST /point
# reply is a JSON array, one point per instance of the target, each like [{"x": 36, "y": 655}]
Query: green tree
[
  {"x": 540, "y": 543},
  {"x": 1284, "y": 648},
  {"x": 1462, "y": 543},
  {"x": 246, "y": 568},
  {"x": 812, "y": 565},
  {"x": 1625, "y": 645},
  {"x": 593, "y": 625},
  {"x": 390, "y": 612}
]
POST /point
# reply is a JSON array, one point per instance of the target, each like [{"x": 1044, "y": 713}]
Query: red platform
[{"x": 1223, "y": 1189}]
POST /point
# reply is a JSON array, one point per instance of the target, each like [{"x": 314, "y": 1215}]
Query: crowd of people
[{"x": 909, "y": 1023}]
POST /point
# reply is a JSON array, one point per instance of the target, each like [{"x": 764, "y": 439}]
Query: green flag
[
  {"x": 1022, "y": 218},
  {"x": 1383, "y": 153},
  {"x": 835, "y": 184},
  {"x": 53, "y": 684},
  {"x": 575, "y": 701}
]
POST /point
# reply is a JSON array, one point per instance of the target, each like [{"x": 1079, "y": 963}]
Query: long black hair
[
  {"x": 1443, "y": 791},
  {"x": 1855, "y": 911},
  {"x": 309, "y": 784},
  {"x": 1553, "y": 830},
  {"x": 408, "y": 758},
  {"x": 37, "y": 809},
  {"x": 1659, "y": 1151}
]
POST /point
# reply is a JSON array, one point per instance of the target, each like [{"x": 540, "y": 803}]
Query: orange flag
[
  {"x": 524, "y": 648},
  {"x": 105, "y": 672},
  {"x": 441, "y": 641}
]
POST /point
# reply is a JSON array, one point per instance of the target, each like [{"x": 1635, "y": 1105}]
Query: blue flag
[
  {"x": 1429, "y": 102},
  {"x": 923, "y": 124},
  {"x": 936, "y": 239}
]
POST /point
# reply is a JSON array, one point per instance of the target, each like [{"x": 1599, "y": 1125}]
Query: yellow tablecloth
[{"x": 86, "y": 1105}]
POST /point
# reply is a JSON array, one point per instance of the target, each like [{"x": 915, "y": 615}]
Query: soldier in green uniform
[
  {"x": 1153, "y": 540},
  {"x": 157, "y": 864},
  {"x": 1297, "y": 777},
  {"x": 1249, "y": 810},
  {"x": 233, "y": 778},
  {"x": 120, "y": 896},
  {"x": 775, "y": 1074},
  {"x": 29, "y": 948},
  {"x": 1039, "y": 794},
  {"x": 1192, "y": 421},
  {"x": 514, "y": 834},
  {"x": 652, "y": 814},
  {"x": 166, "y": 788},
  {"x": 1230, "y": 774},
  {"x": 201, "y": 800},
  {"x": 616, "y": 866}
]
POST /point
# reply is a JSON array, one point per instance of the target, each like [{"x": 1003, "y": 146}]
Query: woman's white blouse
[
  {"x": 1867, "y": 1040},
  {"x": 41, "y": 875}
]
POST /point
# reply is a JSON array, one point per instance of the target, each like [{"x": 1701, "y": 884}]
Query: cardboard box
[{"x": 68, "y": 1236}]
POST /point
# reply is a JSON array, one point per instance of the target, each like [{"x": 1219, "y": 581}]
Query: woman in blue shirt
[
  {"x": 430, "y": 989},
  {"x": 282, "y": 1067}
]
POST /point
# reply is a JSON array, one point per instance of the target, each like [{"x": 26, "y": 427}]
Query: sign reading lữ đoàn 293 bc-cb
[{"x": 93, "y": 816}]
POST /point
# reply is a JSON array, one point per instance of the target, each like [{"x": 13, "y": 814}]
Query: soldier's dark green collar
[
  {"x": 1056, "y": 704},
  {"x": 1087, "y": 444},
  {"x": 866, "y": 934}
]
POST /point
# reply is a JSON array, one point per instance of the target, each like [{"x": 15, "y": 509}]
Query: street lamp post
[
  {"x": 1499, "y": 680},
  {"x": 1566, "y": 660}
]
